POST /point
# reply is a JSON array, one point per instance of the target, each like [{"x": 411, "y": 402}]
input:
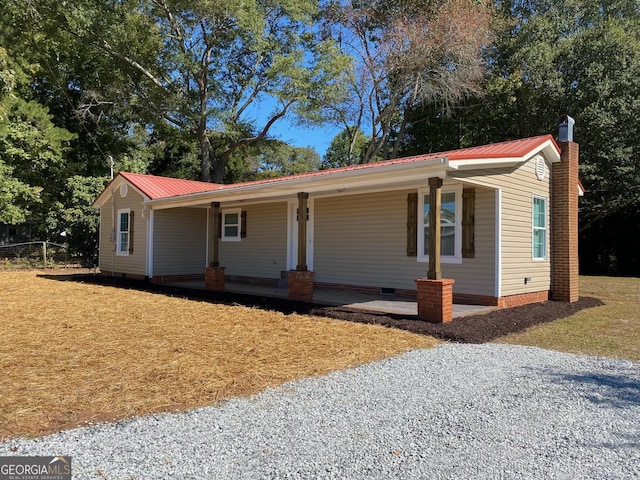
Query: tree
[
  {"x": 347, "y": 148},
  {"x": 73, "y": 218},
  {"x": 208, "y": 68},
  {"x": 576, "y": 57},
  {"x": 16, "y": 197},
  {"x": 582, "y": 58},
  {"x": 407, "y": 51},
  {"x": 270, "y": 159},
  {"x": 30, "y": 148}
]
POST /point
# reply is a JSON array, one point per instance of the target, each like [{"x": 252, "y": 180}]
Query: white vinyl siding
[
  {"x": 518, "y": 184},
  {"x": 109, "y": 261},
  {"x": 361, "y": 240},
  {"x": 179, "y": 241},
  {"x": 263, "y": 252}
]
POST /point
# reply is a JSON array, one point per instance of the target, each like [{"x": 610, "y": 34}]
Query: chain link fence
[{"x": 37, "y": 255}]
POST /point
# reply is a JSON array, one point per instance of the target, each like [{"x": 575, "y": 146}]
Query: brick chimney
[{"x": 564, "y": 216}]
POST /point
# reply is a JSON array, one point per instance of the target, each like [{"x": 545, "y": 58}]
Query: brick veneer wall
[
  {"x": 133, "y": 276},
  {"x": 523, "y": 299},
  {"x": 564, "y": 225},
  {"x": 177, "y": 278},
  {"x": 300, "y": 285},
  {"x": 435, "y": 300},
  {"x": 214, "y": 279}
]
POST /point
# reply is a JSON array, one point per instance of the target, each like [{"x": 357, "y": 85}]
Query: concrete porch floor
[{"x": 343, "y": 298}]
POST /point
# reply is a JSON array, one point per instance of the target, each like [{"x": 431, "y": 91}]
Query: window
[
  {"x": 450, "y": 225},
  {"x": 123, "y": 235},
  {"x": 539, "y": 228},
  {"x": 231, "y": 225}
]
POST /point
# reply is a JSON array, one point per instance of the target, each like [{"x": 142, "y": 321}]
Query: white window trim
[
  {"x": 457, "y": 258},
  {"x": 118, "y": 232},
  {"x": 534, "y": 228},
  {"x": 231, "y": 238}
]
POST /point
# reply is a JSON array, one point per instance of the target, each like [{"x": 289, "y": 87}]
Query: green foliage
[
  {"x": 74, "y": 220},
  {"x": 576, "y": 57},
  {"x": 31, "y": 143},
  {"x": 16, "y": 197},
  {"x": 582, "y": 58},
  {"x": 347, "y": 148},
  {"x": 200, "y": 66},
  {"x": 270, "y": 159},
  {"x": 407, "y": 52}
]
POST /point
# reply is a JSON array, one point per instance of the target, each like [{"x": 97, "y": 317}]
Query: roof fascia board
[
  {"x": 547, "y": 148},
  {"x": 112, "y": 187},
  {"x": 487, "y": 163},
  {"x": 382, "y": 176},
  {"x": 412, "y": 186},
  {"x": 106, "y": 193}
]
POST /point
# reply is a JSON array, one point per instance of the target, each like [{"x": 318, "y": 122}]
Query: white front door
[{"x": 292, "y": 237}]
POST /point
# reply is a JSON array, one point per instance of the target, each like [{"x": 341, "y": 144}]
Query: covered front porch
[
  {"x": 333, "y": 232},
  {"x": 392, "y": 304}
]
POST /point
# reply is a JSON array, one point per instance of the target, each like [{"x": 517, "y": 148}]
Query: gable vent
[{"x": 541, "y": 167}]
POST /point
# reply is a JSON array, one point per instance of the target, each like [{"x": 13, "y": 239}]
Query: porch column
[
  {"x": 302, "y": 232},
  {"x": 300, "y": 280},
  {"x": 214, "y": 235},
  {"x": 214, "y": 273},
  {"x": 435, "y": 294},
  {"x": 435, "y": 243}
]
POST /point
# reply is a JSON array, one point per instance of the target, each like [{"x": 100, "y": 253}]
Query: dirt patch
[{"x": 479, "y": 328}]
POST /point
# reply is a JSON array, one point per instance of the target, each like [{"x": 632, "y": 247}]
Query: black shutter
[
  {"x": 468, "y": 222},
  {"x": 412, "y": 225},
  {"x": 243, "y": 224},
  {"x": 131, "y": 217}
]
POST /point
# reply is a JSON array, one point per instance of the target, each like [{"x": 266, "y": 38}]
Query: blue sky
[
  {"x": 318, "y": 137},
  {"x": 285, "y": 129}
]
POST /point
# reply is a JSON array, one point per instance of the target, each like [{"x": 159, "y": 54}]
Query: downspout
[{"x": 498, "y": 245}]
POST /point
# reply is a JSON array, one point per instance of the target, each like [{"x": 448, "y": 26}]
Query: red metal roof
[
  {"x": 509, "y": 149},
  {"x": 156, "y": 187}
]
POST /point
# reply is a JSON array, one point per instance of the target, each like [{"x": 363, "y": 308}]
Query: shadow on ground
[
  {"x": 612, "y": 390},
  {"x": 479, "y": 328}
]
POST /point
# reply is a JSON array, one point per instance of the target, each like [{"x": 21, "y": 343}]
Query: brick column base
[
  {"x": 300, "y": 285},
  {"x": 435, "y": 300},
  {"x": 214, "y": 279}
]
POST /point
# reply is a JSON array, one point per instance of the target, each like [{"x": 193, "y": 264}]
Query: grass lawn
[
  {"x": 74, "y": 353},
  {"x": 612, "y": 330}
]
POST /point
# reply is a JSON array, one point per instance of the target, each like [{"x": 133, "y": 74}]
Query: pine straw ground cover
[{"x": 75, "y": 353}]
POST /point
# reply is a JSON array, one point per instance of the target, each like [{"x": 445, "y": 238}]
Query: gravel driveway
[{"x": 457, "y": 411}]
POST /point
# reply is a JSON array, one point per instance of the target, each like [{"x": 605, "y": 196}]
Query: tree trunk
[
  {"x": 205, "y": 153},
  {"x": 219, "y": 165}
]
